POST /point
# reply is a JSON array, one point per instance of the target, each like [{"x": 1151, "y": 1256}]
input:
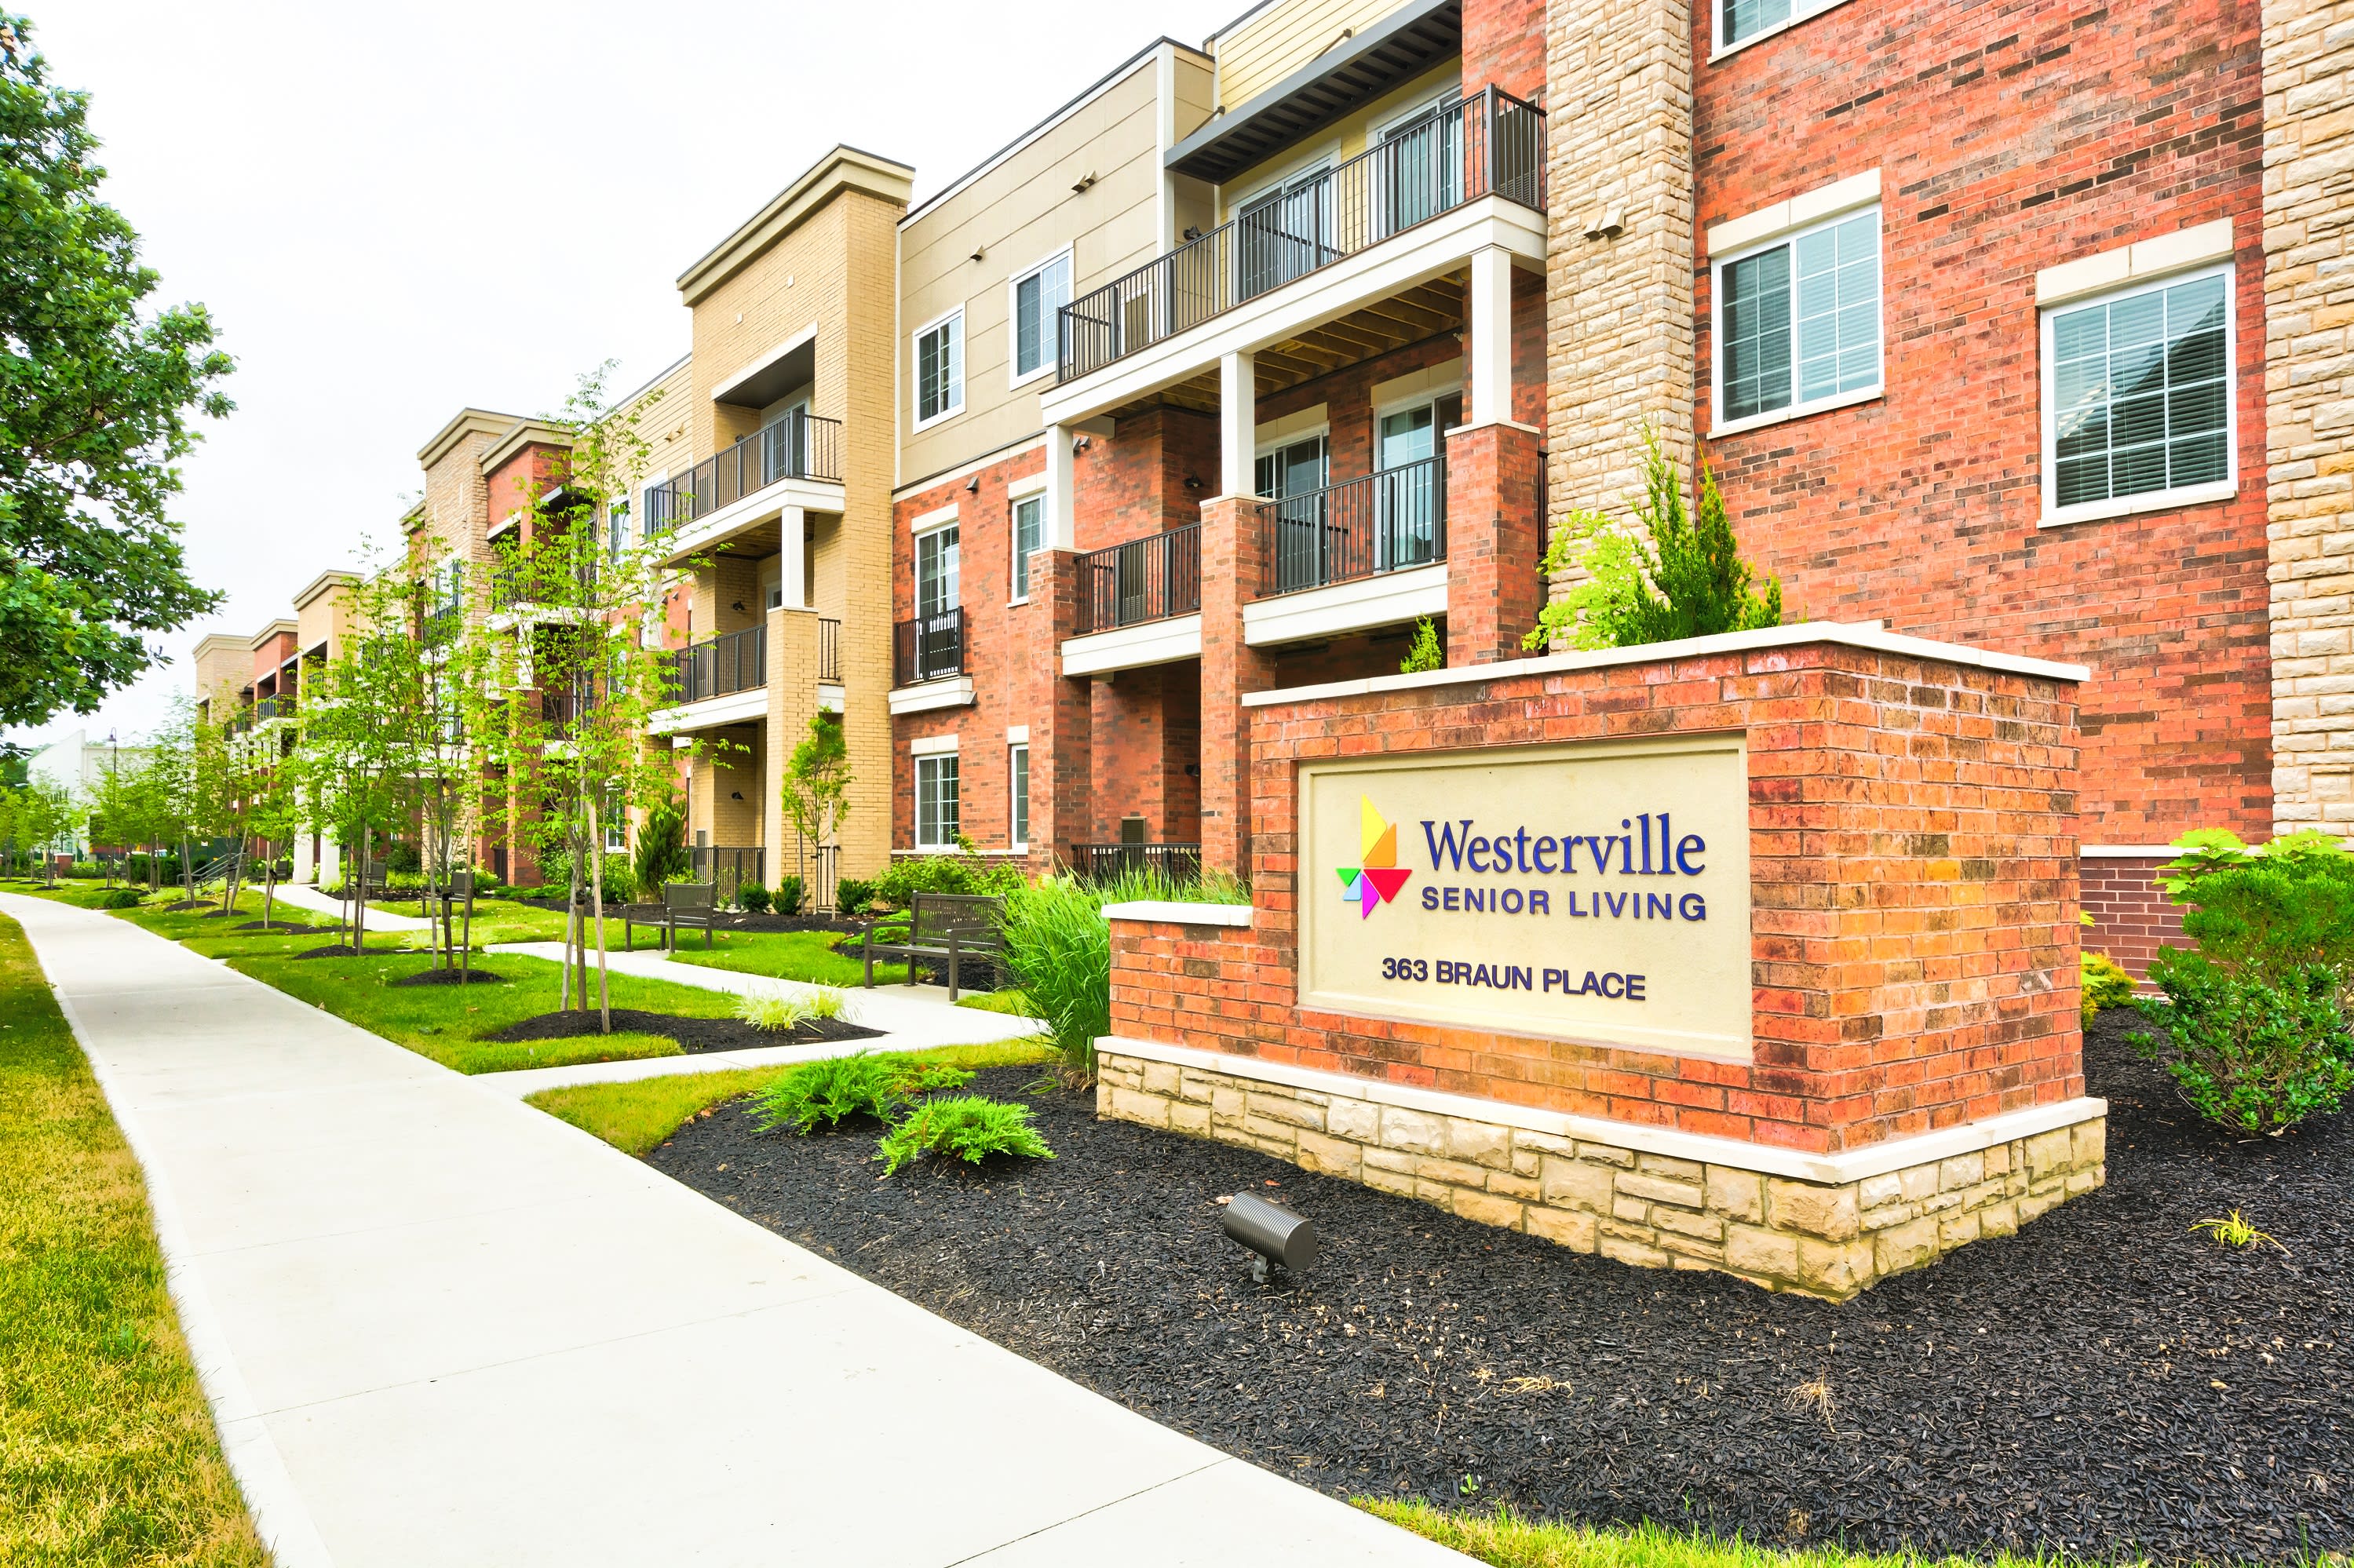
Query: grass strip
[
  {"x": 1508, "y": 1540},
  {"x": 108, "y": 1453},
  {"x": 806, "y": 955},
  {"x": 635, "y": 1117}
]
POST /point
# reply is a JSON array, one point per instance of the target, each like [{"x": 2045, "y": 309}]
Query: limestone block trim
[
  {"x": 1164, "y": 912},
  {"x": 931, "y": 694},
  {"x": 1773, "y": 222},
  {"x": 1134, "y": 647},
  {"x": 2138, "y": 262},
  {"x": 1595, "y": 1186},
  {"x": 1764, "y": 1159}
]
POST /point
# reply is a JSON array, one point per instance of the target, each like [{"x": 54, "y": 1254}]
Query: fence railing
[
  {"x": 515, "y": 582},
  {"x": 797, "y": 446},
  {"x": 1377, "y": 522},
  {"x": 819, "y": 868},
  {"x": 928, "y": 648},
  {"x": 733, "y": 661},
  {"x": 268, "y": 708},
  {"x": 1488, "y": 145},
  {"x": 727, "y": 868},
  {"x": 829, "y": 651},
  {"x": 1175, "y": 863},
  {"x": 1144, "y": 580}
]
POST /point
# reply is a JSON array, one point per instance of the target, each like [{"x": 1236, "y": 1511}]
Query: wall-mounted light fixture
[
  {"x": 1080, "y": 186},
  {"x": 738, "y": 607},
  {"x": 1081, "y": 444},
  {"x": 736, "y": 794},
  {"x": 1274, "y": 1234},
  {"x": 1192, "y": 232},
  {"x": 978, "y": 252},
  {"x": 972, "y": 485},
  {"x": 1192, "y": 481}
]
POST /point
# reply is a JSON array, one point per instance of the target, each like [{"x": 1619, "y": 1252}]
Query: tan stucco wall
[{"x": 1272, "y": 44}]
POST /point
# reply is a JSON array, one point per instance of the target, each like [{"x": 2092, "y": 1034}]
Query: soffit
[{"x": 843, "y": 171}]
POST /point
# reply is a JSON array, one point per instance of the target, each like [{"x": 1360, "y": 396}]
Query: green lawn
[
  {"x": 634, "y": 1117},
  {"x": 108, "y": 1454},
  {"x": 785, "y": 955},
  {"x": 1509, "y": 1541}
]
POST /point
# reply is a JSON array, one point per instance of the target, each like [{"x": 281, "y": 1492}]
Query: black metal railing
[
  {"x": 516, "y": 582},
  {"x": 1175, "y": 863},
  {"x": 819, "y": 868},
  {"x": 829, "y": 651},
  {"x": 561, "y": 708},
  {"x": 732, "y": 661},
  {"x": 1144, "y": 580},
  {"x": 1488, "y": 145},
  {"x": 797, "y": 446},
  {"x": 1378, "y": 523},
  {"x": 727, "y": 869},
  {"x": 928, "y": 648},
  {"x": 268, "y": 708}
]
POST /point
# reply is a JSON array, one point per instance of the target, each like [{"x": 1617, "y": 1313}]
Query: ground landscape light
[{"x": 1274, "y": 1234}]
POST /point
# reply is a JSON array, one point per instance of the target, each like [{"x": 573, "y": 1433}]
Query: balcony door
[
  {"x": 1295, "y": 478},
  {"x": 1419, "y": 174},
  {"x": 1284, "y": 234},
  {"x": 785, "y": 443},
  {"x": 1410, "y": 482},
  {"x": 939, "y": 631}
]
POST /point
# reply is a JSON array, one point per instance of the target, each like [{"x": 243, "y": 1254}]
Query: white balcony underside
[
  {"x": 1383, "y": 599},
  {"x": 1372, "y": 275},
  {"x": 717, "y": 528},
  {"x": 921, "y": 699},
  {"x": 1133, "y": 647},
  {"x": 737, "y": 707}
]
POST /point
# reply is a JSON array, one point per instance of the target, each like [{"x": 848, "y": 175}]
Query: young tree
[
  {"x": 1682, "y": 577},
  {"x": 34, "y": 818},
  {"x": 352, "y": 747},
  {"x": 816, "y": 787},
  {"x": 94, "y": 411}
]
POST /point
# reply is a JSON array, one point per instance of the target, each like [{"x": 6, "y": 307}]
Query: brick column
[
  {"x": 792, "y": 699},
  {"x": 1494, "y": 540},
  {"x": 2308, "y": 54},
  {"x": 1234, "y": 549},
  {"x": 1062, "y": 710}
]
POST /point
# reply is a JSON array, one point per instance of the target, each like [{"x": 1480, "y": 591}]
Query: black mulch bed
[
  {"x": 451, "y": 977},
  {"x": 694, "y": 1036},
  {"x": 2106, "y": 1382}
]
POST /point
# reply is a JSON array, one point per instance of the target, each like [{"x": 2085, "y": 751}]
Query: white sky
[{"x": 394, "y": 211}]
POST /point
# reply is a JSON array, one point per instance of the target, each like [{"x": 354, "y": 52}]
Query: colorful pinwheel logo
[{"x": 1377, "y": 880}]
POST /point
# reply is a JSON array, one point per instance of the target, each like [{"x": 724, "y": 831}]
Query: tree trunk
[
  {"x": 596, "y": 913},
  {"x": 269, "y": 885}
]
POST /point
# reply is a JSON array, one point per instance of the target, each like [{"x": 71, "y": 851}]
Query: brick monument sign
[{"x": 1756, "y": 953}]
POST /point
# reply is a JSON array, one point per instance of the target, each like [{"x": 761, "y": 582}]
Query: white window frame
[
  {"x": 917, "y": 529},
  {"x": 2048, "y": 478},
  {"x": 1800, "y": 11},
  {"x": 1021, "y": 490},
  {"x": 916, "y": 368},
  {"x": 1017, "y": 772},
  {"x": 932, "y": 760},
  {"x": 1014, "y": 375},
  {"x": 1718, "y": 424}
]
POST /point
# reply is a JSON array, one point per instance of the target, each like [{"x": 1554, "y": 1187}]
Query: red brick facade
[
  {"x": 1915, "y": 923},
  {"x": 2132, "y": 917},
  {"x": 2011, "y": 137}
]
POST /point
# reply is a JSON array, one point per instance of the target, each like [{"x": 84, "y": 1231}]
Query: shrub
[
  {"x": 2253, "y": 1054},
  {"x": 1427, "y": 653},
  {"x": 752, "y": 897},
  {"x": 829, "y": 1091},
  {"x": 788, "y": 895},
  {"x": 851, "y": 895},
  {"x": 2103, "y": 985},
  {"x": 119, "y": 898},
  {"x": 969, "y": 1127},
  {"x": 1058, "y": 949},
  {"x": 620, "y": 879},
  {"x": 661, "y": 852},
  {"x": 402, "y": 859},
  {"x": 2270, "y": 917},
  {"x": 963, "y": 872}
]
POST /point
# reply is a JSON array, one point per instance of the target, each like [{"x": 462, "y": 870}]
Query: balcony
[
  {"x": 1178, "y": 864},
  {"x": 1383, "y": 522},
  {"x": 735, "y": 662},
  {"x": 797, "y": 446},
  {"x": 1491, "y": 144},
  {"x": 1141, "y": 581},
  {"x": 516, "y": 583},
  {"x": 829, "y": 652},
  {"x": 928, "y": 648}
]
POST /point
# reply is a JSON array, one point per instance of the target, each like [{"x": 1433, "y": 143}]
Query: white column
[
  {"x": 792, "y": 546},
  {"x": 1238, "y": 423},
  {"x": 1491, "y": 336},
  {"x": 1061, "y": 528}
]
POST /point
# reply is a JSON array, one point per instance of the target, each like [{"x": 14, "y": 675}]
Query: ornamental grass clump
[
  {"x": 969, "y": 1127},
  {"x": 1058, "y": 949},
  {"x": 827, "y": 1093},
  {"x": 772, "y": 1014}
]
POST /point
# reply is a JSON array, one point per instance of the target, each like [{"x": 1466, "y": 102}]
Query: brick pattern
[
  {"x": 2308, "y": 248},
  {"x": 1503, "y": 43},
  {"x": 1233, "y": 550},
  {"x": 2011, "y": 137},
  {"x": 1494, "y": 539},
  {"x": 1913, "y": 939},
  {"x": 1832, "y": 1240},
  {"x": 2132, "y": 916}
]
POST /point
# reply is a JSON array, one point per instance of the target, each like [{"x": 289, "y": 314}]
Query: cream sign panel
[{"x": 1596, "y": 891}]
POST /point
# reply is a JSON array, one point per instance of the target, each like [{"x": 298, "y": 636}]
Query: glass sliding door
[
  {"x": 1420, "y": 171},
  {"x": 1283, "y": 234},
  {"x": 1295, "y": 478},
  {"x": 1410, "y": 484}
]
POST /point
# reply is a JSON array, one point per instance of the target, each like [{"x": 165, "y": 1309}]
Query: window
[
  {"x": 1018, "y": 795},
  {"x": 617, "y": 528},
  {"x": 940, "y": 368},
  {"x": 1741, "y": 21},
  {"x": 1029, "y": 513},
  {"x": 1037, "y": 298},
  {"x": 936, "y": 591},
  {"x": 936, "y": 819},
  {"x": 2138, "y": 399},
  {"x": 1798, "y": 324},
  {"x": 616, "y": 812}
]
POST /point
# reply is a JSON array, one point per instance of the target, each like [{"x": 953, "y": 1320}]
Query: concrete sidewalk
[
  {"x": 437, "y": 1327},
  {"x": 303, "y": 896}
]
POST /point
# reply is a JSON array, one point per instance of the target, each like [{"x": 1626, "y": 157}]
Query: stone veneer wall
[
  {"x": 2308, "y": 52},
  {"x": 1653, "y": 1210}
]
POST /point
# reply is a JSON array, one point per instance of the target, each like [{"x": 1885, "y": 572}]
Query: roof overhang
[
  {"x": 464, "y": 423},
  {"x": 524, "y": 433},
  {"x": 843, "y": 171},
  {"x": 322, "y": 582},
  {"x": 275, "y": 629},
  {"x": 1413, "y": 40},
  {"x": 774, "y": 374}
]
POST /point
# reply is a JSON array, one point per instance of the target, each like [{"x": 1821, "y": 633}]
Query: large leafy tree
[{"x": 96, "y": 393}]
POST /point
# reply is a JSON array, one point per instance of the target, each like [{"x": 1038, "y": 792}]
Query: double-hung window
[
  {"x": 2137, "y": 398},
  {"x": 1797, "y": 323},
  {"x": 1039, "y": 297},
  {"x": 1018, "y": 796},
  {"x": 940, "y": 368},
  {"x": 937, "y": 820},
  {"x": 1029, "y": 515},
  {"x": 1741, "y": 21},
  {"x": 617, "y": 528}
]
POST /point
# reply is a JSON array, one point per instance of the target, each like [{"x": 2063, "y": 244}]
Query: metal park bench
[
  {"x": 686, "y": 906},
  {"x": 943, "y": 929}
]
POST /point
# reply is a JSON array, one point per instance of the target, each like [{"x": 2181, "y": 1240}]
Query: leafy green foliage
[
  {"x": 963, "y": 872},
  {"x": 789, "y": 893},
  {"x": 661, "y": 853},
  {"x": 96, "y": 390},
  {"x": 2103, "y": 984},
  {"x": 752, "y": 898},
  {"x": 118, "y": 898},
  {"x": 1428, "y": 653},
  {"x": 816, "y": 785},
  {"x": 1683, "y": 577},
  {"x": 826, "y": 1093},
  {"x": 969, "y": 1127},
  {"x": 1138, "y": 885},
  {"x": 1058, "y": 950},
  {"x": 853, "y": 895},
  {"x": 2254, "y": 1053},
  {"x": 2271, "y": 916},
  {"x": 779, "y": 1013}
]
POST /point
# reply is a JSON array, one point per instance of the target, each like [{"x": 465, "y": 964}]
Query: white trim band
[{"x": 1167, "y": 912}]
